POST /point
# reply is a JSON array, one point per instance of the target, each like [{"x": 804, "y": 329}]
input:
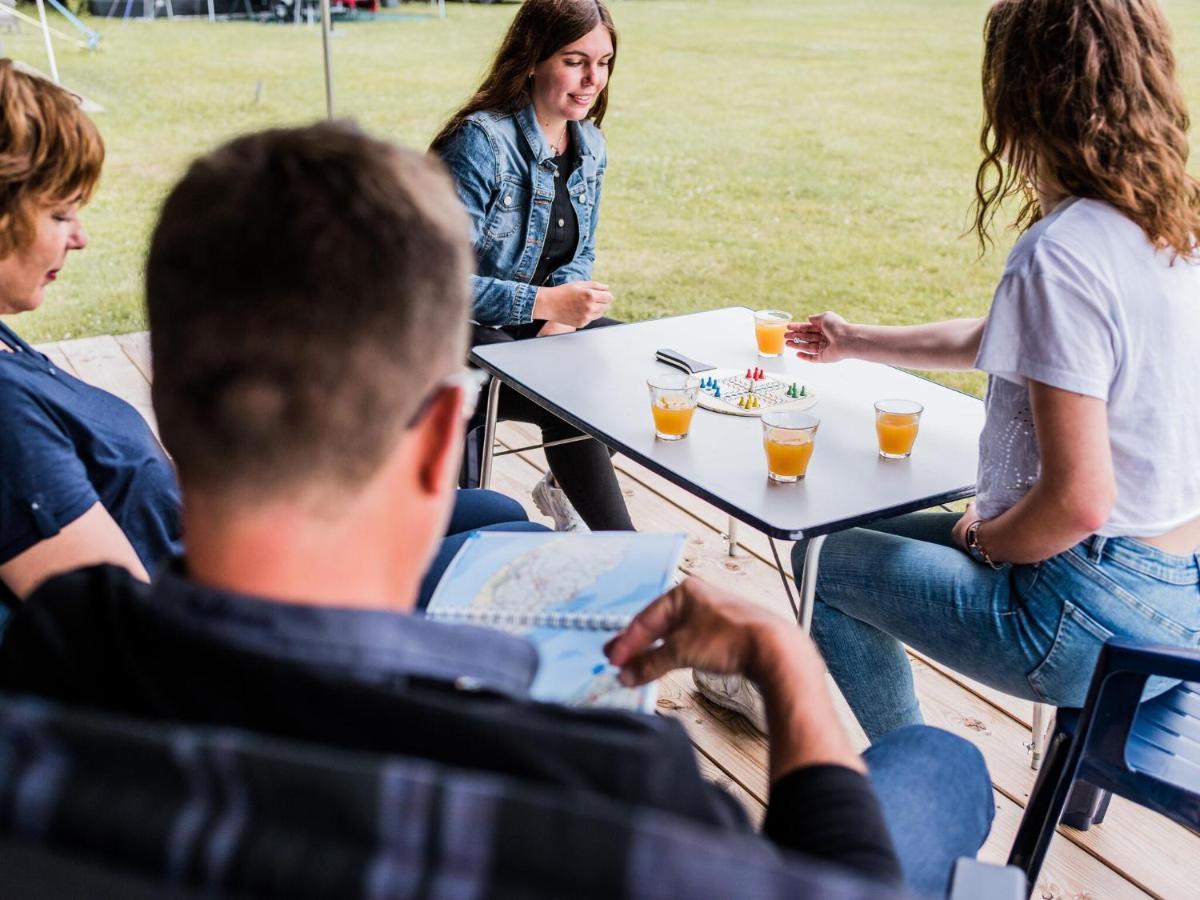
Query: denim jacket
[{"x": 501, "y": 163}]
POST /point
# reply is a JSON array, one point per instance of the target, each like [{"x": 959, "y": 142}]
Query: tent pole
[
  {"x": 49, "y": 45},
  {"x": 325, "y": 27}
]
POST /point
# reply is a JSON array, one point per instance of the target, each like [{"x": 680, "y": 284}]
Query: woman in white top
[{"x": 1087, "y": 521}]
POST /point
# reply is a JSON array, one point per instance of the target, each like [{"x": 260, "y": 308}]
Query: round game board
[{"x": 770, "y": 392}]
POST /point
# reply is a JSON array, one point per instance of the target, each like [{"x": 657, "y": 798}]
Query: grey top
[{"x": 596, "y": 380}]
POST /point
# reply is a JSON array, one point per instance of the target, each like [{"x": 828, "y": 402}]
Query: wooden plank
[
  {"x": 101, "y": 361},
  {"x": 56, "y": 356},
  {"x": 137, "y": 347},
  {"x": 740, "y": 752}
]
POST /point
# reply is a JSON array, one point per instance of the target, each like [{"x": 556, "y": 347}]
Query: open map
[{"x": 567, "y": 594}]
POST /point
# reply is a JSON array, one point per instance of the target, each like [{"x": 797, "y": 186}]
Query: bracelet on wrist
[{"x": 975, "y": 546}]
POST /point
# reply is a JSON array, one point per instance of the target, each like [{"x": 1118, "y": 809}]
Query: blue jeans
[
  {"x": 474, "y": 510},
  {"x": 1034, "y": 631},
  {"x": 936, "y": 797}
]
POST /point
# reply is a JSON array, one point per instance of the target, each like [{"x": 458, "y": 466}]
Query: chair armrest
[{"x": 975, "y": 880}]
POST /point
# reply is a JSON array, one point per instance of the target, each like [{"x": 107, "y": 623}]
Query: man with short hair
[{"x": 308, "y": 294}]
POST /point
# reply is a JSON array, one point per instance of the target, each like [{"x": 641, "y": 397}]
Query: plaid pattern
[{"x": 238, "y": 814}]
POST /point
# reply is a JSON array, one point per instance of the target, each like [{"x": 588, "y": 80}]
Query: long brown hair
[
  {"x": 539, "y": 29},
  {"x": 50, "y": 151},
  {"x": 1081, "y": 94}
]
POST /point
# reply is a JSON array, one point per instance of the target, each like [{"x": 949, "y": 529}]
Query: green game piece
[{"x": 803, "y": 391}]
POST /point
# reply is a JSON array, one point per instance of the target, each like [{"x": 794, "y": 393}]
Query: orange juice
[
  {"x": 897, "y": 432},
  {"x": 672, "y": 418},
  {"x": 770, "y": 335},
  {"x": 788, "y": 459}
]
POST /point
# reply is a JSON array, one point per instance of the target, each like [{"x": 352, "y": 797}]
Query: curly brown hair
[
  {"x": 1081, "y": 95},
  {"x": 50, "y": 151},
  {"x": 539, "y": 29}
]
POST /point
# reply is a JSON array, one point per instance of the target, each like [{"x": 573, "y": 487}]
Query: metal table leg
[
  {"x": 787, "y": 588},
  {"x": 489, "y": 433},
  {"x": 808, "y": 582}
]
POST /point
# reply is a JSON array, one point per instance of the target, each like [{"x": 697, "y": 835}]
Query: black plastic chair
[{"x": 1146, "y": 752}]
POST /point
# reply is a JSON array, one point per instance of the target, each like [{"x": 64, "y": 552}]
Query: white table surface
[{"x": 597, "y": 381}]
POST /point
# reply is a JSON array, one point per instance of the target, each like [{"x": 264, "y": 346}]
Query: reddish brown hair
[
  {"x": 1082, "y": 95},
  {"x": 49, "y": 152}
]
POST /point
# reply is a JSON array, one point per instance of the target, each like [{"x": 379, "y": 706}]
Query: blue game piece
[{"x": 718, "y": 393}]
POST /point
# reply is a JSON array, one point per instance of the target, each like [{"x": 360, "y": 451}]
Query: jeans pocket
[{"x": 1063, "y": 677}]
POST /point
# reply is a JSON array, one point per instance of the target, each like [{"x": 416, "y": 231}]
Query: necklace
[{"x": 561, "y": 144}]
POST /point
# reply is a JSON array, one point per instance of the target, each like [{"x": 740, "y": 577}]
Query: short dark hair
[{"x": 306, "y": 287}]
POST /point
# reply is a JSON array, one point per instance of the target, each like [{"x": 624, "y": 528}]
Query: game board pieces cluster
[
  {"x": 710, "y": 384},
  {"x": 749, "y": 401},
  {"x": 796, "y": 391},
  {"x": 755, "y": 375}
]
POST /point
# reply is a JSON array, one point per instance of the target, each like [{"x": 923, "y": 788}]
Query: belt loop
[{"x": 1096, "y": 550}]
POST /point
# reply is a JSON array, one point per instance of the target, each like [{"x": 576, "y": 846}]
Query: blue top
[
  {"x": 505, "y": 173},
  {"x": 64, "y": 445}
]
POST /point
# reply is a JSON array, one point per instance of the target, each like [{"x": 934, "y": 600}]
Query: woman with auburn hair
[
  {"x": 528, "y": 157},
  {"x": 82, "y": 478},
  {"x": 1086, "y": 524}
]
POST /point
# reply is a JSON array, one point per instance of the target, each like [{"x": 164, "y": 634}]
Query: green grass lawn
[{"x": 787, "y": 153}]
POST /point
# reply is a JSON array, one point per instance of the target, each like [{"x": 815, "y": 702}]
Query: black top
[
  {"x": 178, "y": 650},
  {"x": 562, "y": 236},
  {"x": 66, "y": 445}
]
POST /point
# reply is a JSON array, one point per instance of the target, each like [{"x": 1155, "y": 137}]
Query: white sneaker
[
  {"x": 552, "y": 502},
  {"x": 733, "y": 692}
]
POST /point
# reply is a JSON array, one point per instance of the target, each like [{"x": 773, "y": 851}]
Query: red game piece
[{"x": 750, "y": 374}]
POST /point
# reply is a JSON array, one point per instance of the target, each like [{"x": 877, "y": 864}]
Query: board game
[{"x": 751, "y": 392}]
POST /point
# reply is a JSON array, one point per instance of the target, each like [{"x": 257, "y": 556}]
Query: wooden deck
[{"x": 1133, "y": 854}]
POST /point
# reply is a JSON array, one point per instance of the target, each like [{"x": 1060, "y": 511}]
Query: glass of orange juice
[
  {"x": 673, "y": 399},
  {"x": 896, "y": 424},
  {"x": 788, "y": 442},
  {"x": 770, "y": 329}
]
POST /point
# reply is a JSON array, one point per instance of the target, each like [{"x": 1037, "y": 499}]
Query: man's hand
[
  {"x": 576, "y": 303},
  {"x": 824, "y": 338},
  {"x": 959, "y": 534},
  {"x": 699, "y": 625},
  {"x": 703, "y": 626}
]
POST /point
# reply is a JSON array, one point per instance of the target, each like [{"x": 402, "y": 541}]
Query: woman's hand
[
  {"x": 554, "y": 328},
  {"x": 575, "y": 303},
  {"x": 824, "y": 338},
  {"x": 959, "y": 534}
]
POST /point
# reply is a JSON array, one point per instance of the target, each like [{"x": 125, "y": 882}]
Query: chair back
[
  {"x": 1147, "y": 752},
  {"x": 232, "y": 813}
]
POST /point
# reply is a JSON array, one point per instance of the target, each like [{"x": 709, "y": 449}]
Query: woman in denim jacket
[
  {"x": 528, "y": 158},
  {"x": 1086, "y": 524}
]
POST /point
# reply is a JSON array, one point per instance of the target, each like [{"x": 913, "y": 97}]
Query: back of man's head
[{"x": 306, "y": 288}]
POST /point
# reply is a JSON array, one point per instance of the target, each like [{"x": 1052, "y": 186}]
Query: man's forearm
[
  {"x": 953, "y": 344},
  {"x": 804, "y": 727}
]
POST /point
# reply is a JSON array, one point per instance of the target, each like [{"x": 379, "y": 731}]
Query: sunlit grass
[{"x": 790, "y": 153}]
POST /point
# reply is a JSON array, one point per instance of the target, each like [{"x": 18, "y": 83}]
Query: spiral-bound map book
[{"x": 567, "y": 594}]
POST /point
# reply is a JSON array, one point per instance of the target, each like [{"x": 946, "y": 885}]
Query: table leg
[
  {"x": 731, "y": 535},
  {"x": 489, "y": 433},
  {"x": 808, "y": 582},
  {"x": 787, "y": 588}
]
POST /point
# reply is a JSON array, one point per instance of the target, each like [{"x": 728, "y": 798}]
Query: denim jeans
[
  {"x": 474, "y": 510},
  {"x": 1034, "y": 631},
  {"x": 936, "y": 797}
]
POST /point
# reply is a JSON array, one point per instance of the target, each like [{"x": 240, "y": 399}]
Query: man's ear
[{"x": 437, "y": 440}]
